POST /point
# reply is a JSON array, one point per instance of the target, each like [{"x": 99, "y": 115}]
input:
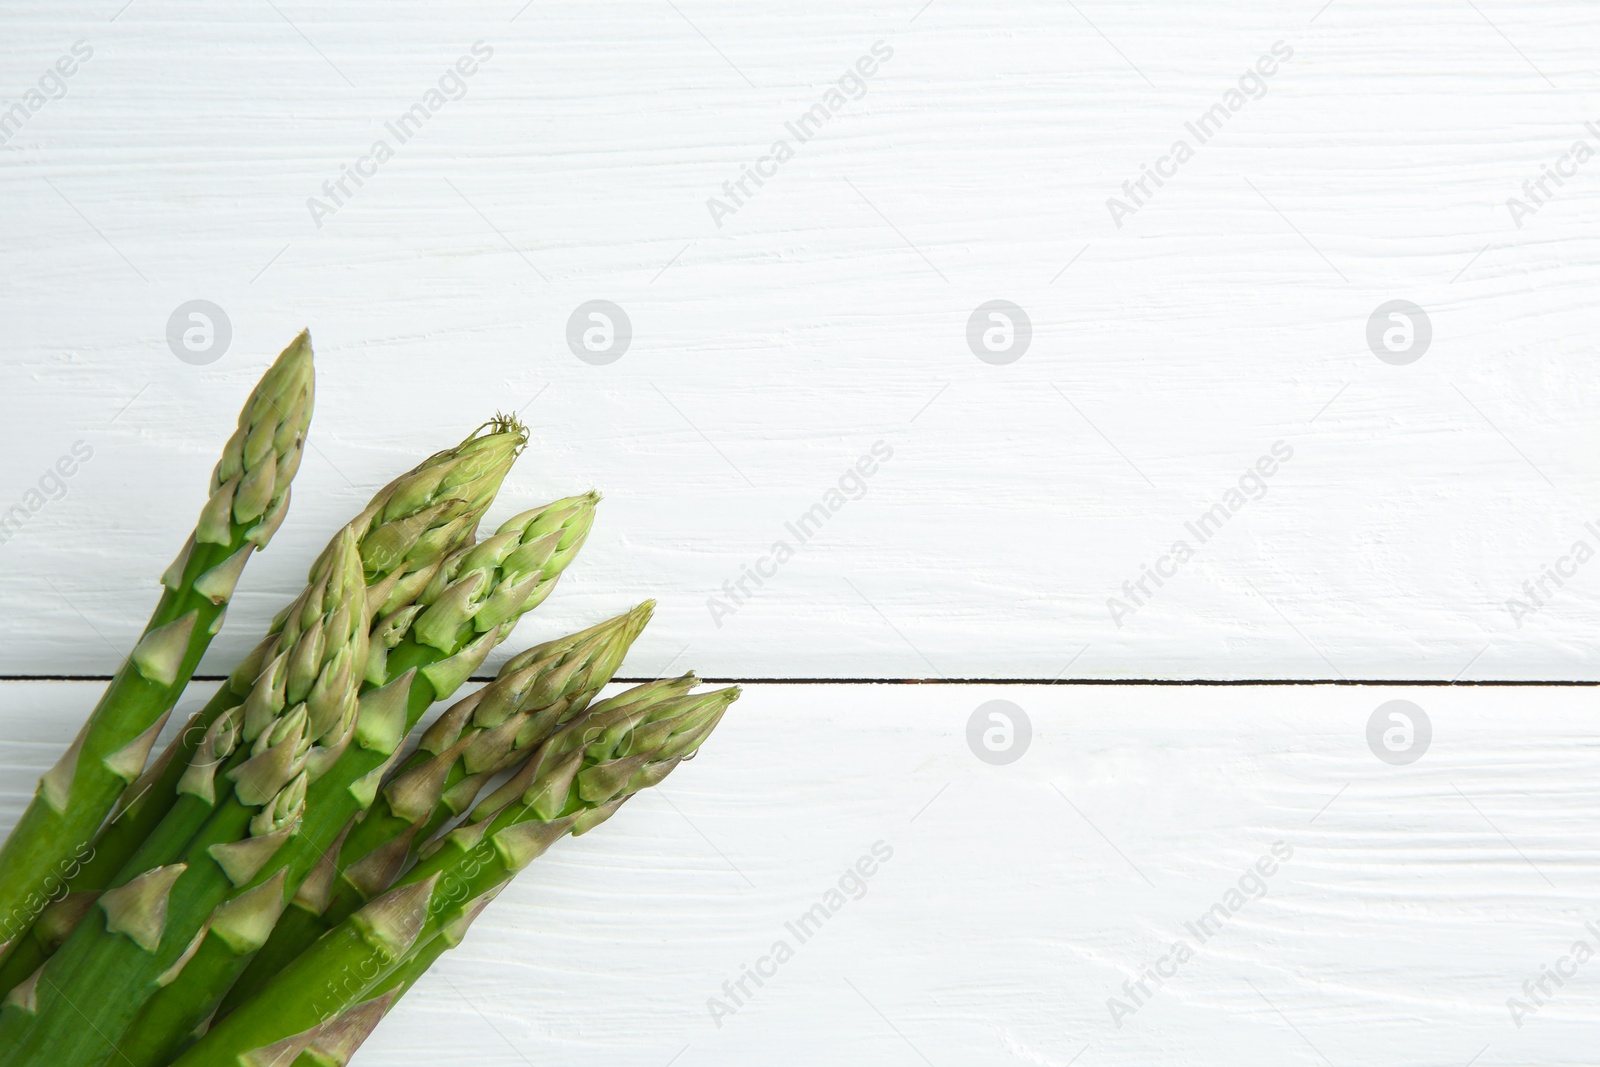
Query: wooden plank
[
  {"x": 1019, "y": 897},
  {"x": 1169, "y": 354}
]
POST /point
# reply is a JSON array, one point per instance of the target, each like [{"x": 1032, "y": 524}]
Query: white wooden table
[{"x": 1214, "y": 361}]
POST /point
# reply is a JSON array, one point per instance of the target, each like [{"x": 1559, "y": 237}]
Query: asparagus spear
[
  {"x": 525, "y": 557},
  {"x": 303, "y": 708},
  {"x": 333, "y": 1043},
  {"x": 249, "y": 497},
  {"x": 572, "y": 783},
  {"x": 406, "y": 531},
  {"x": 488, "y": 585},
  {"x": 536, "y": 692},
  {"x": 337, "y": 1040},
  {"x": 474, "y": 603}
]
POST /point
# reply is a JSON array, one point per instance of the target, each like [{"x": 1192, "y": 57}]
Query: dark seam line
[{"x": 1538, "y": 683}]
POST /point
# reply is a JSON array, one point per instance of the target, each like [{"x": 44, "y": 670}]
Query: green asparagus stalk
[
  {"x": 573, "y": 782},
  {"x": 407, "y": 530},
  {"x": 337, "y": 1040},
  {"x": 441, "y": 648},
  {"x": 55, "y": 922},
  {"x": 536, "y": 692},
  {"x": 475, "y": 600},
  {"x": 525, "y": 557},
  {"x": 298, "y": 718},
  {"x": 249, "y": 498}
]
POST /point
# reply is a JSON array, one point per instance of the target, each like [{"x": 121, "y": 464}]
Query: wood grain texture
[
  {"x": 1019, "y": 898},
  {"x": 829, "y": 312}
]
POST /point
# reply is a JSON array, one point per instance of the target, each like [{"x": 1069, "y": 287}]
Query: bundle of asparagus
[{"x": 267, "y": 888}]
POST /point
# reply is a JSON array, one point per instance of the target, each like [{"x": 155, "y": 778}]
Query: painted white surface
[
  {"x": 830, "y": 312},
  {"x": 1019, "y": 898}
]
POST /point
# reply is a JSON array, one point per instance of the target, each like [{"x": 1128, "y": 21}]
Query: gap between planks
[{"x": 1198, "y": 682}]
